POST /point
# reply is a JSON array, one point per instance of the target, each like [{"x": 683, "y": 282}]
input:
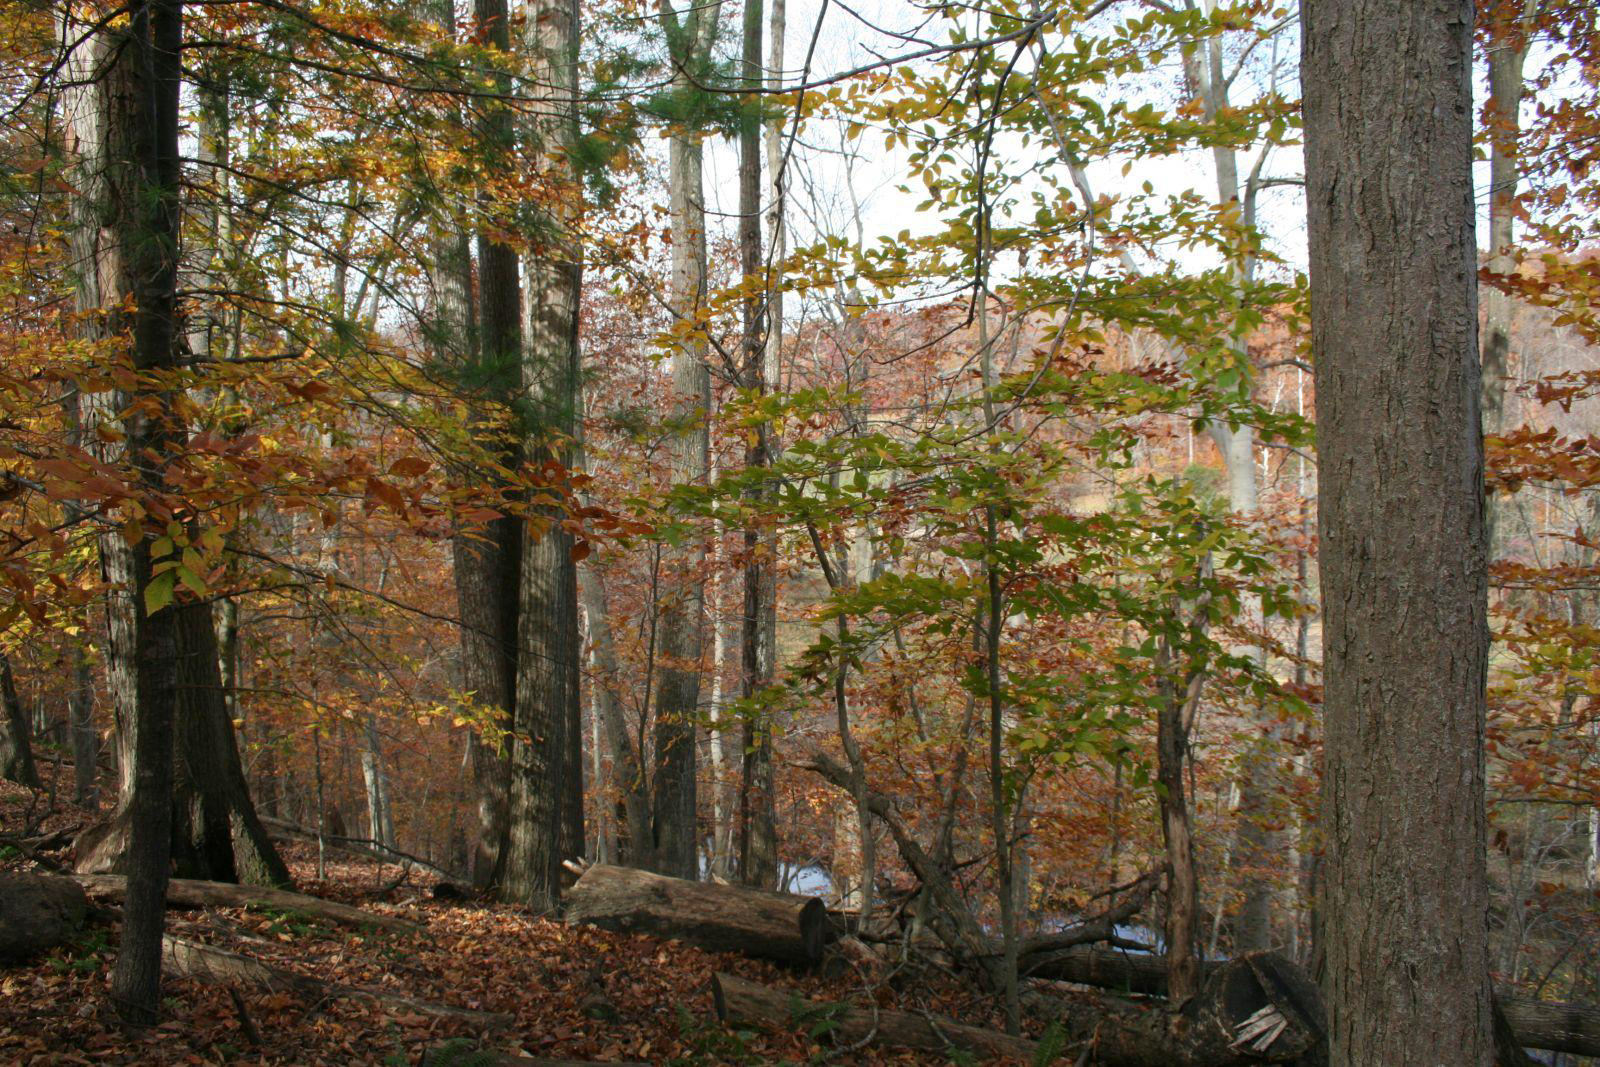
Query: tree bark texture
[
  {"x": 488, "y": 562},
  {"x": 681, "y": 606},
  {"x": 125, "y": 137},
  {"x": 1388, "y": 123},
  {"x": 16, "y": 749},
  {"x": 1507, "y": 56},
  {"x": 721, "y": 918},
  {"x": 545, "y": 808}
]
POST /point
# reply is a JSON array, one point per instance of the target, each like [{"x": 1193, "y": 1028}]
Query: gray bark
[
  {"x": 85, "y": 740},
  {"x": 1388, "y": 124},
  {"x": 1507, "y": 55},
  {"x": 682, "y": 621},
  {"x": 545, "y": 803}
]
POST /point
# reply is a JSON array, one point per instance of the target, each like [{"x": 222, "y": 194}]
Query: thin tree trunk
[
  {"x": 1388, "y": 125},
  {"x": 757, "y": 816},
  {"x": 627, "y": 771},
  {"x": 85, "y": 741},
  {"x": 16, "y": 751},
  {"x": 1507, "y": 55}
]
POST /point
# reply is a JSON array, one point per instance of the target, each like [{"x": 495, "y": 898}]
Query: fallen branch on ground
[
  {"x": 189, "y": 893},
  {"x": 742, "y": 1003},
  {"x": 206, "y": 963},
  {"x": 1541, "y": 1024}
]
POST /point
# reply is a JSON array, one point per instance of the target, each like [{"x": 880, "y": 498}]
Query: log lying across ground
[
  {"x": 187, "y": 893},
  {"x": 38, "y": 912},
  {"x": 206, "y": 963},
  {"x": 742, "y": 1003},
  {"x": 1540, "y": 1024},
  {"x": 722, "y": 918}
]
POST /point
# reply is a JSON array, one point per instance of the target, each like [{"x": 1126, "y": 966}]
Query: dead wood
[
  {"x": 1540, "y": 1024},
  {"x": 206, "y": 963},
  {"x": 722, "y": 918},
  {"x": 188, "y": 893},
  {"x": 743, "y": 1003}
]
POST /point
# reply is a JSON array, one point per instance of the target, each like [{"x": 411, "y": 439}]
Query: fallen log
[
  {"x": 721, "y": 918},
  {"x": 188, "y": 893},
  {"x": 1554, "y": 1026},
  {"x": 207, "y": 963},
  {"x": 1540, "y": 1024},
  {"x": 38, "y": 912},
  {"x": 742, "y": 1003},
  {"x": 1255, "y": 1009}
]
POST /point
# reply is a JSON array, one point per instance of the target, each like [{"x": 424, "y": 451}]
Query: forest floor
[{"x": 577, "y": 993}]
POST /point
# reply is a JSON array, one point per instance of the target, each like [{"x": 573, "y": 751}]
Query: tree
[
  {"x": 487, "y": 563},
  {"x": 545, "y": 809},
  {"x": 690, "y": 37},
  {"x": 1388, "y": 122},
  {"x": 16, "y": 751},
  {"x": 127, "y": 150}
]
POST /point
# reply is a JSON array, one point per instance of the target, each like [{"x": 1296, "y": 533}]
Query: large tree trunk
[
  {"x": 545, "y": 809},
  {"x": 1388, "y": 123},
  {"x": 488, "y": 562},
  {"x": 721, "y": 918},
  {"x": 16, "y": 750},
  {"x": 682, "y": 603},
  {"x": 216, "y": 833}
]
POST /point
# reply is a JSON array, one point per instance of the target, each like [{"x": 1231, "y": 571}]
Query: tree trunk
[
  {"x": 124, "y": 132},
  {"x": 380, "y": 819},
  {"x": 719, "y": 918},
  {"x": 16, "y": 751},
  {"x": 85, "y": 740},
  {"x": 682, "y": 605},
  {"x": 1388, "y": 124},
  {"x": 488, "y": 563},
  {"x": 757, "y": 815},
  {"x": 546, "y": 797},
  {"x": 626, "y": 769},
  {"x": 1507, "y": 54}
]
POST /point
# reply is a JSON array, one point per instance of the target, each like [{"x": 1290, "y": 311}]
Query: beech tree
[{"x": 1404, "y": 905}]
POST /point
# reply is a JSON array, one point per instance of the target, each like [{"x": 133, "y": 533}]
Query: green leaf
[{"x": 158, "y": 593}]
